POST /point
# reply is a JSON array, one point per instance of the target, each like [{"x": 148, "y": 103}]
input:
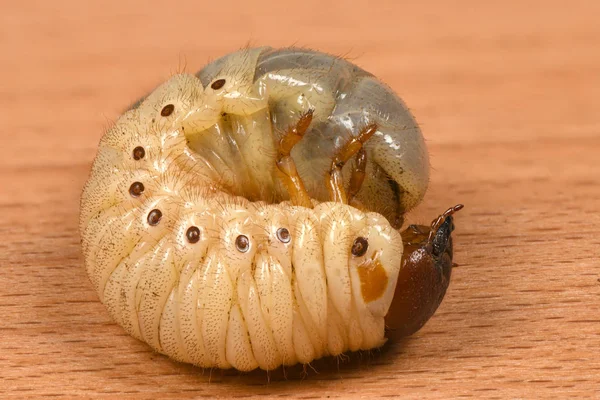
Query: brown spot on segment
[
  {"x": 167, "y": 110},
  {"x": 283, "y": 234},
  {"x": 242, "y": 243},
  {"x": 218, "y": 84},
  {"x": 360, "y": 246},
  {"x": 139, "y": 153},
  {"x": 373, "y": 280},
  {"x": 136, "y": 189},
  {"x": 193, "y": 234},
  {"x": 154, "y": 217}
]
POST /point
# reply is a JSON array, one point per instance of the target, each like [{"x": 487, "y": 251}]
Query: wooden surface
[{"x": 508, "y": 96}]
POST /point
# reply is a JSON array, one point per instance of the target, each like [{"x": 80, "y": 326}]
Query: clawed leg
[
  {"x": 358, "y": 174},
  {"x": 437, "y": 223},
  {"x": 334, "y": 181},
  {"x": 298, "y": 194}
]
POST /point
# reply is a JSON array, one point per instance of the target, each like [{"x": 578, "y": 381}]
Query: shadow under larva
[{"x": 248, "y": 216}]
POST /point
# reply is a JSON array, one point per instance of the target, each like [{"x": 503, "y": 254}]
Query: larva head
[
  {"x": 424, "y": 276},
  {"x": 374, "y": 263}
]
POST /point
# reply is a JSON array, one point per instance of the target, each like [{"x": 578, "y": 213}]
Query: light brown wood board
[{"x": 508, "y": 96}]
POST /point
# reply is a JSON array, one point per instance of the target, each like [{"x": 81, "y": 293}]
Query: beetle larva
[{"x": 248, "y": 216}]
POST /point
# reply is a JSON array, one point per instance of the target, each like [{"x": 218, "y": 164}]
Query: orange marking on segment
[{"x": 373, "y": 280}]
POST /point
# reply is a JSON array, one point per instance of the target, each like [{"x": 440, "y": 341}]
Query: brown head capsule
[{"x": 424, "y": 276}]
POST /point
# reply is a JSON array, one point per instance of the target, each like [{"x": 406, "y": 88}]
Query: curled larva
[{"x": 248, "y": 216}]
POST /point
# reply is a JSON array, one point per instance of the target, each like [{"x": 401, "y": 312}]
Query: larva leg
[
  {"x": 285, "y": 163},
  {"x": 334, "y": 181},
  {"x": 358, "y": 174}
]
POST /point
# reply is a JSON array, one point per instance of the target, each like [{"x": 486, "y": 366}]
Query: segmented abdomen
[{"x": 208, "y": 277}]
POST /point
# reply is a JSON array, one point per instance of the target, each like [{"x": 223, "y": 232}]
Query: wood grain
[{"x": 508, "y": 96}]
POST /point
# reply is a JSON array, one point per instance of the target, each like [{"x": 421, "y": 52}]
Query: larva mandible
[{"x": 248, "y": 216}]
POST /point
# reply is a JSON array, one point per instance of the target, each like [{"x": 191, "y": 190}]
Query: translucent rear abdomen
[{"x": 345, "y": 99}]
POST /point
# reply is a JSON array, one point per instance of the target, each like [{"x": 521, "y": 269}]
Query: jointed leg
[
  {"x": 298, "y": 194},
  {"x": 334, "y": 181},
  {"x": 435, "y": 225},
  {"x": 358, "y": 174}
]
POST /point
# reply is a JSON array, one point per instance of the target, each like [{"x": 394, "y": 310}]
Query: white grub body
[{"x": 208, "y": 163}]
